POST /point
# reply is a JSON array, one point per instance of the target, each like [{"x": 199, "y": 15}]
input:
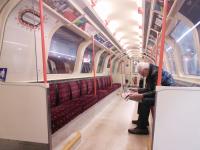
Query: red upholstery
[
  {"x": 90, "y": 84},
  {"x": 69, "y": 99},
  {"x": 75, "y": 89},
  {"x": 106, "y": 85},
  {"x": 52, "y": 95},
  {"x": 83, "y": 84},
  {"x": 88, "y": 99},
  {"x": 64, "y": 92},
  {"x": 100, "y": 92}
]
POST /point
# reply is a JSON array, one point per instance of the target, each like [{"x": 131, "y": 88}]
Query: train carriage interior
[{"x": 69, "y": 70}]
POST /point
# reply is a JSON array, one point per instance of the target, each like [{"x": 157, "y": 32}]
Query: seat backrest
[
  {"x": 75, "y": 89},
  {"x": 84, "y": 88},
  {"x": 103, "y": 82},
  {"x": 52, "y": 95},
  {"x": 109, "y": 81},
  {"x": 99, "y": 84},
  {"x": 90, "y": 84},
  {"x": 64, "y": 92}
]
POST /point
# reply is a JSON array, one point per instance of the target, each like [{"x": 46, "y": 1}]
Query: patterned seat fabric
[
  {"x": 69, "y": 99},
  {"x": 84, "y": 88},
  {"x": 90, "y": 84},
  {"x": 52, "y": 95},
  {"x": 75, "y": 89}
]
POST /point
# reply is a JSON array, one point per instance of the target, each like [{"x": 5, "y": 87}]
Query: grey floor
[{"x": 108, "y": 131}]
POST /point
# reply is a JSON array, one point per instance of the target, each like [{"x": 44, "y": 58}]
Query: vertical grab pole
[
  {"x": 110, "y": 71},
  {"x": 162, "y": 42},
  {"x": 93, "y": 64},
  {"x": 43, "y": 41},
  {"x": 122, "y": 78}
]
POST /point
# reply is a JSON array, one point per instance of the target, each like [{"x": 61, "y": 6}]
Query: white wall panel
[
  {"x": 23, "y": 112},
  {"x": 177, "y": 123}
]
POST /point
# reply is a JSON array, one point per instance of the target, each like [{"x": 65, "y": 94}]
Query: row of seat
[{"x": 70, "y": 98}]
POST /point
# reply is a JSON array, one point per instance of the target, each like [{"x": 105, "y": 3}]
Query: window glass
[
  {"x": 119, "y": 68},
  {"x": 114, "y": 64},
  {"x": 170, "y": 56},
  {"x": 108, "y": 65},
  {"x": 184, "y": 39},
  {"x": 87, "y": 61},
  {"x": 102, "y": 62},
  {"x": 62, "y": 52}
]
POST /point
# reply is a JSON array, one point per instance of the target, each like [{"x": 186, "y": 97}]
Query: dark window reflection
[
  {"x": 102, "y": 62},
  {"x": 63, "y": 50},
  {"x": 87, "y": 61}
]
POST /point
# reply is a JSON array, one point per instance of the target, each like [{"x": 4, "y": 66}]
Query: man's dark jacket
[{"x": 151, "y": 81}]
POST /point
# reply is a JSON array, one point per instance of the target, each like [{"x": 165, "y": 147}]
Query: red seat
[
  {"x": 69, "y": 99},
  {"x": 52, "y": 95},
  {"x": 100, "y": 91},
  {"x": 106, "y": 85},
  {"x": 88, "y": 99},
  {"x": 75, "y": 95}
]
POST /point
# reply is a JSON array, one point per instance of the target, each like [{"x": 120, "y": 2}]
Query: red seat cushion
[
  {"x": 88, "y": 101},
  {"x": 75, "y": 89},
  {"x": 52, "y": 95},
  {"x": 64, "y": 92},
  {"x": 99, "y": 84},
  {"x": 90, "y": 84},
  {"x": 83, "y": 84}
]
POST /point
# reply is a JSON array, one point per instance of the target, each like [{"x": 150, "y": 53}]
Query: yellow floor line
[{"x": 72, "y": 142}]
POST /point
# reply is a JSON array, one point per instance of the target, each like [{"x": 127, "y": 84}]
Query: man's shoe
[
  {"x": 136, "y": 122},
  {"x": 139, "y": 131}
]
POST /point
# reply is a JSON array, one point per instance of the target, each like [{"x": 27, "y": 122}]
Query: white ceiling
[{"x": 123, "y": 21}]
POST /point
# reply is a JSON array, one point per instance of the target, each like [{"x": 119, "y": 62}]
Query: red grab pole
[
  {"x": 43, "y": 41},
  {"x": 162, "y": 42},
  {"x": 93, "y": 64},
  {"x": 111, "y": 70}
]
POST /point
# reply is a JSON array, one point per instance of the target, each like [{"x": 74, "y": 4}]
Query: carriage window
[
  {"x": 63, "y": 49},
  {"x": 185, "y": 40},
  {"x": 108, "y": 65},
  {"x": 114, "y": 64},
  {"x": 87, "y": 61},
  {"x": 119, "y": 68},
  {"x": 101, "y": 62},
  {"x": 170, "y": 56}
]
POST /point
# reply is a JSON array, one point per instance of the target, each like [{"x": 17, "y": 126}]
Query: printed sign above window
[{"x": 157, "y": 22}]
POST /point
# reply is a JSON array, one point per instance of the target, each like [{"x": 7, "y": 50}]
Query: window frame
[{"x": 178, "y": 59}]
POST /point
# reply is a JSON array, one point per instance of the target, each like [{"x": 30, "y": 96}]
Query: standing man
[{"x": 146, "y": 96}]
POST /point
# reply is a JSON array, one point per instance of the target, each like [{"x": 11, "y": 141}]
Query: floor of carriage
[{"x": 108, "y": 131}]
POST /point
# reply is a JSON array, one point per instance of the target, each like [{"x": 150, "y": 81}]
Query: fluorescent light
[
  {"x": 61, "y": 54},
  {"x": 187, "y": 32},
  {"x": 103, "y": 9},
  {"x": 126, "y": 46},
  {"x": 124, "y": 41},
  {"x": 113, "y": 25},
  {"x": 119, "y": 35},
  {"x": 137, "y": 17},
  {"x": 139, "y": 3}
]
